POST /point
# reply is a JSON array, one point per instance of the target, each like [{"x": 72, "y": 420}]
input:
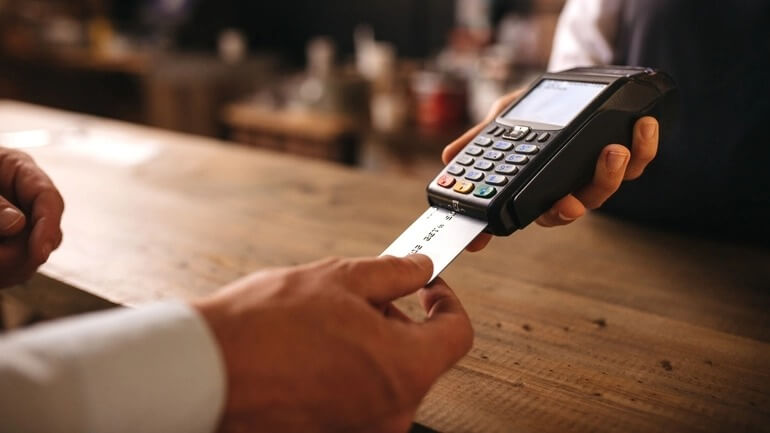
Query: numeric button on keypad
[
  {"x": 464, "y": 160},
  {"x": 446, "y": 181},
  {"x": 503, "y": 145},
  {"x": 485, "y": 191},
  {"x": 484, "y": 165},
  {"x": 527, "y": 149},
  {"x": 507, "y": 169},
  {"x": 455, "y": 170},
  {"x": 474, "y": 175},
  {"x": 517, "y": 159},
  {"x": 496, "y": 179},
  {"x": 493, "y": 155},
  {"x": 464, "y": 187},
  {"x": 482, "y": 141},
  {"x": 474, "y": 151}
]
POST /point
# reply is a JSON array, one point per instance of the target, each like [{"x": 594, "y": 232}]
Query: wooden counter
[{"x": 599, "y": 326}]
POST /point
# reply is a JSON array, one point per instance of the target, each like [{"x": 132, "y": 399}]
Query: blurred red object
[{"x": 440, "y": 99}]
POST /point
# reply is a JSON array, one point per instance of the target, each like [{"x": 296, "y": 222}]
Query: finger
[
  {"x": 446, "y": 334},
  {"x": 383, "y": 279},
  {"x": 11, "y": 161},
  {"x": 479, "y": 242},
  {"x": 644, "y": 146},
  {"x": 28, "y": 182},
  {"x": 392, "y": 312},
  {"x": 610, "y": 169},
  {"x": 13, "y": 250},
  {"x": 456, "y": 146},
  {"x": 46, "y": 232},
  {"x": 12, "y": 220},
  {"x": 43, "y": 240},
  {"x": 564, "y": 211}
]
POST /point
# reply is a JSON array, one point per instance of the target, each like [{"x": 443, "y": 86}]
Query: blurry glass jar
[
  {"x": 490, "y": 79},
  {"x": 440, "y": 99},
  {"x": 390, "y": 98}
]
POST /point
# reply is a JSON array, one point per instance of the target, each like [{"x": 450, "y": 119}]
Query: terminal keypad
[{"x": 497, "y": 155}]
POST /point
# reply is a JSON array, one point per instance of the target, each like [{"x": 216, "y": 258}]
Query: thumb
[
  {"x": 456, "y": 146},
  {"x": 383, "y": 279},
  {"x": 12, "y": 220}
]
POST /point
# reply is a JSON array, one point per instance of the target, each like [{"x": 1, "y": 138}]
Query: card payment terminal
[{"x": 540, "y": 148}]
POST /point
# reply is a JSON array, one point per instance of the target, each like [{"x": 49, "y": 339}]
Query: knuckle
[
  {"x": 633, "y": 172},
  {"x": 331, "y": 262},
  {"x": 22, "y": 160},
  {"x": 607, "y": 184},
  {"x": 343, "y": 266},
  {"x": 329, "y": 265},
  {"x": 595, "y": 196},
  {"x": 14, "y": 154},
  {"x": 287, "y": 282},
  {"x": 345, "y": 272},
  {"x": 393, "y": 264},
  {"x": 595, "y": 201},
  {"x": 644, "y": 153}
]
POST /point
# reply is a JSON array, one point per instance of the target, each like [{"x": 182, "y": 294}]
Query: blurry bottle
[
  {"x": 100, "y": 36},
  {"x": 366, "y": 52},
  {"x": 440, "y": 99},
  {"x": 474, "y": 15},
  {"x": 232, "y": 46},
  {"x": 378, "y": 63},
  {"x": 492, "y": 76},
  {"x": 315, "y": 89},
  {"x": 390, "y": 95}
]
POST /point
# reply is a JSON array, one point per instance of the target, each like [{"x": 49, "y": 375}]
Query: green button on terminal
[{"x": 485, "y": 191}]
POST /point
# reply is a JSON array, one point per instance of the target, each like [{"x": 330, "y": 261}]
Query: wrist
[{"x": 213, "y": 318}]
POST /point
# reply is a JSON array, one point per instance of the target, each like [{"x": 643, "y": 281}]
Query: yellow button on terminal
[{"x": 464, "y": 187}]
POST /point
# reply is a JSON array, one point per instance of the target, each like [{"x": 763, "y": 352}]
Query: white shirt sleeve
[
  {"x": 152, "y": 369},
  {"x": 585, "y": 34}
]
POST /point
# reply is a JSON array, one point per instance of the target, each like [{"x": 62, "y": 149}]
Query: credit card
[{"x": 440, "y": 234}]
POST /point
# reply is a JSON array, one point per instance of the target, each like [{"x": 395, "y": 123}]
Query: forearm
[{"x": 152, "y": 369}]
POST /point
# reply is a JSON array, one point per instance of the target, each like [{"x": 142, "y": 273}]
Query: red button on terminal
[{"x": 446, "y": 181}]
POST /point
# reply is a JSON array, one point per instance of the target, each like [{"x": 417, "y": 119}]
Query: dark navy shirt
[{"x": 712, "y": 171}]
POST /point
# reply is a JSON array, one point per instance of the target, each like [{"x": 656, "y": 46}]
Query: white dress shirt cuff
[{"x": 150, "y": 369}]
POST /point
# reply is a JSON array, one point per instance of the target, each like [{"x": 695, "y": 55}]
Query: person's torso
[{"x": 713, "y": 169}]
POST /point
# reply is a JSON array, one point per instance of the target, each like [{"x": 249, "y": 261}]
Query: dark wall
[{"x": 416, "y": 27}]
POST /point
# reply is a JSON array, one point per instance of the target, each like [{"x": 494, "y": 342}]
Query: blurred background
[{"x": 378, "y": 84}]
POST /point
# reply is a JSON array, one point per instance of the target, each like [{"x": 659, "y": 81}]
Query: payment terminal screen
[{"x": 554, "y": 102}]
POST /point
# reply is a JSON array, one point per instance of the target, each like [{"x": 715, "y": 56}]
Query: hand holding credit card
[{"x": 546, "y": 156}]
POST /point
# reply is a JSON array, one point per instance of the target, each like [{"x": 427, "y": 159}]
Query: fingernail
[
  {"x": 566, "y": 218},
  {"x": 421, "y": 260},
  {"x": 9, "y": 217},
  {"x": 649, "y": 129},
  {"x": 616, "y": 161}
]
